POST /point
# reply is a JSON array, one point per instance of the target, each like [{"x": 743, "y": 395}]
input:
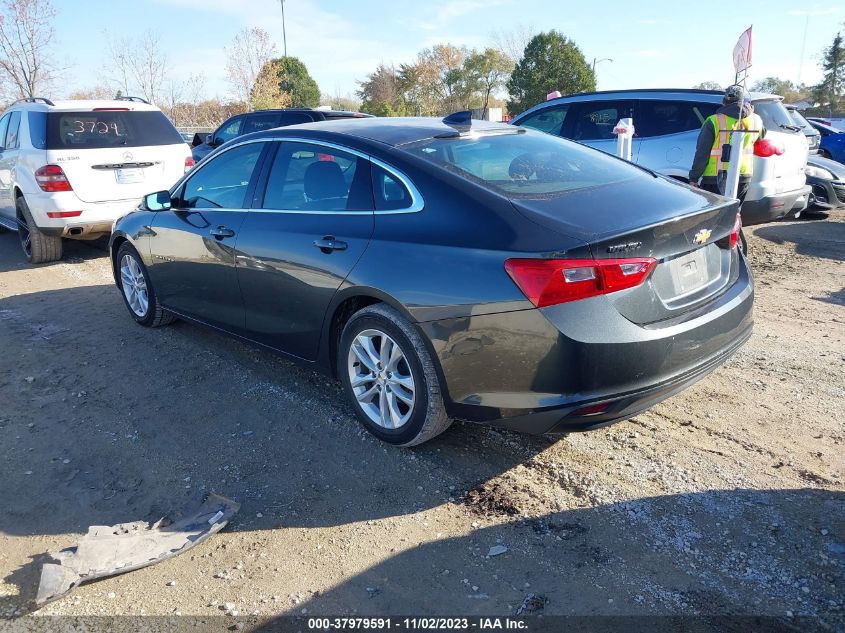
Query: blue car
[{"x": 833, "y": 141}]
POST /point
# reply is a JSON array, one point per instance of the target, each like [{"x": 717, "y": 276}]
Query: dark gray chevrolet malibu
[{"x": 448, "y": 269}]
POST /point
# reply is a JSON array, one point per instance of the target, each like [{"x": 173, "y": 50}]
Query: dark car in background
[
  {"x": 832, "y": 143},
  {"x": 827, "y": 178},
  {"x": 448, "y": 269},
  {"x": 249, "y": 122}
]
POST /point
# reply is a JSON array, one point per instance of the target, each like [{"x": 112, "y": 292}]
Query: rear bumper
[
  {"x": 96, "y": 218},
  {"x": 535, "y": 370},
  {"x": 774, "y": 207},
  {"x": 827, "y": 194}
]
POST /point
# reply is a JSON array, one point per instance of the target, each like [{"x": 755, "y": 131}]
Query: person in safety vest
[{"x": 712, "y": 151}]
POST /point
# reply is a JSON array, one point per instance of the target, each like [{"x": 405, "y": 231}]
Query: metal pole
[{"x": 284, "y": 34}]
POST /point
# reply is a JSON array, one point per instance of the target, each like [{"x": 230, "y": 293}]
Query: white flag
[{"x": 742, "y": 51}]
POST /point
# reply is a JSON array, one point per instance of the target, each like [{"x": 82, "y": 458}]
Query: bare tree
[
  {"x": 140, "y": 65},
  {"x": 266, "y": 92},
  {"x": 250, "y": 51},
  {"x": 26, "y": 31},
  {"x": 512, "y": 43},
  {"x": 96, "y": 92}
]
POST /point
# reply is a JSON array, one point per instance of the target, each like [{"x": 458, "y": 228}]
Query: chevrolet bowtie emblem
[{"x": 702, "y": 236}]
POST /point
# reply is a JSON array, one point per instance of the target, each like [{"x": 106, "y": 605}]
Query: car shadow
[
  {"x": 816, "y": 238},
  {"x": 714, "y": 553},
  {"x": 73, "y": 252},
  {"x": 134, "y": 423}
]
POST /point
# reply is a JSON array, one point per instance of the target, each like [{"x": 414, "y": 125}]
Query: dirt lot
[{"x": 727, "y": 499}]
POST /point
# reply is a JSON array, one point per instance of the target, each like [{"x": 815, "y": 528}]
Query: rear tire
[
  {"x": 38, "y": 248},
  {"x": 137, "y": 289},
  {"x": 387, "y": 358}
]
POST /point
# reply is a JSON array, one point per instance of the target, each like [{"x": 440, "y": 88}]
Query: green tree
[
  {"x": 708, "y": 85},
  {"x": 488, "y": 72},
  {"x": 379, "y": 93},
  {"x": 295, "y": 81},
  {"x": 551, "y": 62},
  {"x": 833, "y": 64}
]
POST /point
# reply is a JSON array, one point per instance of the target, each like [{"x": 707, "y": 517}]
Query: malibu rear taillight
[
  {"x": 735, "y": 231},
  {"x": 51, "y": 178},
  {"x": 765, "y": 148},
  {"x": 189, "y": 164},
  {"x": 547, "y": 282}
]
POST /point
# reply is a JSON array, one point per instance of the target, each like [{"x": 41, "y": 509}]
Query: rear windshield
[
  {"x": 109, "y": 128},
  {"x": 526, "y": 165},
  {"x": 775, "y": 116},
  {"x": 801, "y": 122}
]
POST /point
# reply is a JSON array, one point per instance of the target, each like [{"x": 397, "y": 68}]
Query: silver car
[{"x": 667, "y": 123}]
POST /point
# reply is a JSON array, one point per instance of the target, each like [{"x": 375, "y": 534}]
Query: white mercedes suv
[{"x": 68, "y": 169}]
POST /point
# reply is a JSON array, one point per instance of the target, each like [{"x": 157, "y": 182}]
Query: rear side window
[
  {"x": 109, "y": 128},
  {"x": 389, "y": 192},
  {"x": 774, "y": 115},
  {"x": 295, "y": 118},
  {"x": 656, "y": 118},
  {"x": 595, "y": 121},
  {"x": 12, "y": 131},
  {"x": 258, "y": 122},
  {"x": 306, "y": 177},
  {"x": 38, "y": 129},
  {"x": 548, "y": 120}
]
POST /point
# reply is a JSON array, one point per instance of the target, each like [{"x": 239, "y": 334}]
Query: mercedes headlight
[{"x": 819, "y": 172}]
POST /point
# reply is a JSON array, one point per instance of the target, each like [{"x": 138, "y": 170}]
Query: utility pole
[
  {"x": 598, "y": 61},
  {"x": 284, "y": 34}
]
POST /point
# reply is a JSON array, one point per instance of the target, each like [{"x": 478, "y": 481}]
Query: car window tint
[
  {"x": 389, "y": 192},
  {"x": 547, "y": 120},
  {"x": 258, "y": 122},
  {"x": 595, "y": 121},
  {"x": 656, "y": 118},
  {"x": 525, "y": 165},
  {"x": 310, "y": 177},
  {"x": 295, "y": 118},
  {"x": 4, "y": 124},
  {"x": 223, "y": 181},
  {"x": 12, "y": 131},
  {"x": 229, "y": 130},
  {"x": 38, "y": 129}
]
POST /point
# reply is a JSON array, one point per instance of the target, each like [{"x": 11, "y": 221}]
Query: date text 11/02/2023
[{"x": 422, "y": 623}]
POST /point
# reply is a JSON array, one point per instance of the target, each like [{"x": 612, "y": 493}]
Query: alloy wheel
[
  {"x": 134, "y": 285},
  {"x": 381, "y": 379}
]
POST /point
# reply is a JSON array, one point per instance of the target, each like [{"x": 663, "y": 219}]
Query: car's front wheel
[
  {"x": 137, "y": 289},
  {"x": 390, "y": 378}
]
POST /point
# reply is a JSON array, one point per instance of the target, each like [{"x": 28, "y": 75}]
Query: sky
[{"x": 651, "y": 43}]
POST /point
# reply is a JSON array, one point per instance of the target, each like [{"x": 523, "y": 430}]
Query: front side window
[
  {"x": 524, "y": 164},
  {"x": 595, "y": 121},
  {"x": 656, "y": 118},
  {"x": 222, "y": 183},
  {"x": 260, "y": 121},
  {"x": 548, "y": 120},
  {"x": 12, "y": 131},
  {"x": 311, "y": 177},
  {"x": 228, "y": 130}
]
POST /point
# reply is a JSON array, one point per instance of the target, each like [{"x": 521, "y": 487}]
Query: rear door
[
  {"x": 117, "y": 153},
  {"x": 592, "y": 123},
  {"x": 309, "y": 226},
  {"x": 193, "y": 245}
]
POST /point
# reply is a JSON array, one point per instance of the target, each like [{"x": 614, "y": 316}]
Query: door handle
[
  {"x": 329, "y": 244},
  {"x": 221, "y": 231}
]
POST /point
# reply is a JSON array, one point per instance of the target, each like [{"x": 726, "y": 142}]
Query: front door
[
  {"x": 193, "y": 245},
  {"x": 9, "y": 150},
  {"x": 310, "y": 225}
]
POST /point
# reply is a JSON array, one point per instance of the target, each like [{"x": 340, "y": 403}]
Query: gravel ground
[{"x": 726, "y": 499}]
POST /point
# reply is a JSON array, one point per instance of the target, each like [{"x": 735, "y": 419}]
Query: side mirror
[
  {"x": 158, "y": 201},
  {"x": 209, "y": 140}
]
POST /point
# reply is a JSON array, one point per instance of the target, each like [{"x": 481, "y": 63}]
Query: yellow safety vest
[{"x": 722, "y": 127}]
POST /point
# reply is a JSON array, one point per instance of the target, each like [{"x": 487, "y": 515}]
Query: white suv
[{"x": 68, "y": 169}]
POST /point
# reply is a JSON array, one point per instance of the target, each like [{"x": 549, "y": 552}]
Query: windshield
[
  {"x": 775, "y": 116},
  {"x": 109, "y": 128},
  {"x": 526, "y": 165}
]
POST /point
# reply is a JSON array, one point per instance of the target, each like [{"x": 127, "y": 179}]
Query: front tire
[
  {"x": 137, "y": 289},
  {"x": 389, "y": 377},
  {"x": 38, "y": 248}
]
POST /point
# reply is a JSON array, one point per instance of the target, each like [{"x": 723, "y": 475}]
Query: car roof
[
  {"x": 393, "y": 131},
  {"x": 74, "y": 105}
]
